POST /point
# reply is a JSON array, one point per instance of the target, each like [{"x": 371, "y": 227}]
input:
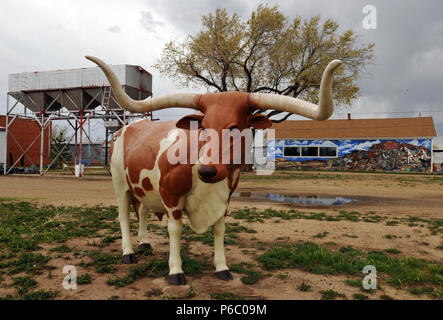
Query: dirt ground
[{"x": 393, "y": 196}]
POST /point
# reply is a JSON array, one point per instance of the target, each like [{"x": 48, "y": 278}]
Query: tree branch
[{"x": 282, "y": 119}]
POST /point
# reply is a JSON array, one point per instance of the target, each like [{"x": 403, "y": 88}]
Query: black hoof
[
  {"x": 129, "y": 258},
  {"x": 224, "y": 275},
  {"x": 145, "y": 249},
  {"x": 177, "y": 279}
]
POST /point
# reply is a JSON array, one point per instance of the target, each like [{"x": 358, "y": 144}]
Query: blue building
[{"x": 401, "y": 144}]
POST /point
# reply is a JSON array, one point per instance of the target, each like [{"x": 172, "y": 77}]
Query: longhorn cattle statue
[{"x": 143, "y": 176}]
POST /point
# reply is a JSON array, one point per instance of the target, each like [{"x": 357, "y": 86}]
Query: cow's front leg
[
  {"x": 175, "y": 227},
  {"x": 221, "y": 269},
  {"x": 143, "y": 229},
  {"x": 123, "y": 216}
]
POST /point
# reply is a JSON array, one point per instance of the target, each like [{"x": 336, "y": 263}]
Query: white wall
[
  {"x": 437, "y": 151},
  {"x": 438, "y": 157},
  {"x": 437, "y": 143}
]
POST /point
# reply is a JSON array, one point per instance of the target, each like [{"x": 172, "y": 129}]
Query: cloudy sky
[{"x": 407, "y": 74}]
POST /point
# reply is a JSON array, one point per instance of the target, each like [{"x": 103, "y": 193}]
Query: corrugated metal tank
[{"x": 82, "y": 85}]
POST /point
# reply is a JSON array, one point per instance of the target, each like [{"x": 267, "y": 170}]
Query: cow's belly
[
  {"x": 153, "y": 202},
  {"x": 206, "y": 203}
]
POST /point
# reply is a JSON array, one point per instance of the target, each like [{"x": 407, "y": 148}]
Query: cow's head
[
  {"x": 222, "y": 117},
  {"x": 227, "y": 111}
]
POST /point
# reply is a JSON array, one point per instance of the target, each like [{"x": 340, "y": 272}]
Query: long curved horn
[
  {"x": 179, "y": 100},
  {"x": 293, "y": 105}
]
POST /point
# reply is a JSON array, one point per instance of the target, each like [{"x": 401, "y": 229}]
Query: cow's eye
[{"x": 233, "y": 128}]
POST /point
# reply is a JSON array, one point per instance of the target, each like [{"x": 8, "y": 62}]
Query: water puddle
[{"x": 292, "y": 198}]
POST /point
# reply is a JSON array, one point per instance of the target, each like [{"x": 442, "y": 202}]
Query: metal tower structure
[{"x": 74, "y": 96}]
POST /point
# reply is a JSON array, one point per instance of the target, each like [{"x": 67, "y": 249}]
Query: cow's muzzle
[{"x": 207, "y": 173}]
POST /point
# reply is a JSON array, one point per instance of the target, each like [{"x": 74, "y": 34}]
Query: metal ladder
[{"x": 106, "y": 97}]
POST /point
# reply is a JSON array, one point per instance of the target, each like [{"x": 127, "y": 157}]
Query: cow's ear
[
  {"x": 185, "y": 122},
  {"x": 260, "y": 121}
]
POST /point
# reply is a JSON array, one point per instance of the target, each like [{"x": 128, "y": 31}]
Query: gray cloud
[
  {"x": 114, "y": 29},
  {"x": 149, "y": 23}
]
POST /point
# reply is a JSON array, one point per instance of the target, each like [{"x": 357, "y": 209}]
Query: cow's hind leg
[
  {"x": 175, "y": 227},
  {"x": 123, "y": 216},
  {"x": 144, "y": 245},
  {"x": 221, "y": 269}
]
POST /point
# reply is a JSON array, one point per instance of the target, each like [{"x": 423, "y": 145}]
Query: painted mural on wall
[{"x": 355, "y": 155}]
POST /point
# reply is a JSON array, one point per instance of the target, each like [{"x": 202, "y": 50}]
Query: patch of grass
[
  {"x": 30, "y": 263},
  {"x": 105, "y": 269},
  {"x": 254, "y": 215},
  {"x": 308, "y": 256},
  {"x": 5, "y": 256},
  {"x": 84, "y": 279},
  {"x": 393, "y": 251},
  {"x": 103, "y": 262},
  {"x": 190, "y": 293},
  {"x": 155, "y": 269},
  {"x": 109, "y": 239},
  {"x": 313, "y": 258},
  {"x": 360, "y": 296},
  {"x": 40, "y": 295},
  {"x": 350, "y": 236},
  {"x": 113, "y": 298},
  {"x": 237, "y": 228},
  {"x": 331, "y": 295},
  {"x": 390, "y": 236},
  {"x": 61, "y": 249},
  {"x": 354, "y": 283},
  {"x": 321, "y": 235},
  {"x": 21, "y": 231},
  {"x": 251, "y": 276},
  {"x": 240, "y": 267},
  {"x": 386, "y": 297},
  {"x": 433, "y": 292},
  {"x": 352, "y": 216},
  {"x": 24, "y": 284},
  {"x": 192, "y": 266},
  {"x": 304, "y": 287},
  {"x": 225, "y": 296},
  {"x": 435, "y": 225}
]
